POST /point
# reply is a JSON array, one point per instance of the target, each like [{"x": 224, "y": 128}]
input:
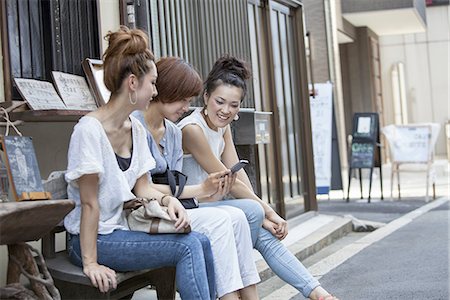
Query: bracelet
[{"x": 164, "y": 196}]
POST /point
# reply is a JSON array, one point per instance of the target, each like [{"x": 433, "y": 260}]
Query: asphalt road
[
  {"x": 378, "y": 211},
  {"x": 411, "y": 263}
]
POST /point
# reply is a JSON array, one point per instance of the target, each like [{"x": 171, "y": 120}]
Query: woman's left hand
[
  {"x": 214, "y": 182},
  {"x": 281, "y": 226},
  {"x": 177, "y": 213}
]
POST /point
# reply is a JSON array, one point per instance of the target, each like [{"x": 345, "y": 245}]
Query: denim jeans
[
  {"x": 278, "y": 257},
  {"x": 124, "y": 250}
]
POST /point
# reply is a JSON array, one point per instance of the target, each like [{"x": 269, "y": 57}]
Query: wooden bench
[{"x": 72, "y": 283}]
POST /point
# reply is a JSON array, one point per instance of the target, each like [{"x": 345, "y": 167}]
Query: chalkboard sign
[
  {"x": 365, "y": 141},
  {"x": 362, "y": 155},
  {"x": 365, "y": 126},
  {"x": 23, "y": 172}
]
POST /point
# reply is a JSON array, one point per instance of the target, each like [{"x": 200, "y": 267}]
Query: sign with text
[
  {"x": 39, "y": 94},
  {"x": 17, "y": 154},
  {"x": 321, "y": 117},
  {"x": 74, "y": 91},
  {"x": 411, "y": 143}
]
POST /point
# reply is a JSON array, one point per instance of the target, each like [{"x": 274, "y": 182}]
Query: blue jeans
[
  {"x": 124, "y": 250},
  {"x": 278, "y": 257}
]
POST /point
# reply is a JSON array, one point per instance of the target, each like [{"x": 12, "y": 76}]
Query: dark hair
[
  {"x": 128, "y": 53},
  {"x": 228, "y": 70},
  {"x": 177, "y": 80}
]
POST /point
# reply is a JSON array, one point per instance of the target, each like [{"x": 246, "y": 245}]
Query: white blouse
[
  {"x": 90, "y": 152},
  {"x": 196, "y": 174}
]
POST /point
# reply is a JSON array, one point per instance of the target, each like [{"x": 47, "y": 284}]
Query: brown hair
[
  {"x": 128, "y": 53},
  {"x": 177, "y": 80},
  {"x": 228, "y": 70}
]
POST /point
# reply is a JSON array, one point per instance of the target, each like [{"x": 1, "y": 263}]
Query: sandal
[{"x": 328, "y": 297}]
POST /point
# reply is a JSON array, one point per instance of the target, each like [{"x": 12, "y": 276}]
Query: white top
[
  {"x": 90, "y": 152},
  {"x": 215, "y": 139}
]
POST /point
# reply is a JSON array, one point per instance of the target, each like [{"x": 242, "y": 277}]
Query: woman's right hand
[
  {"x": 101, "y": 276},
  {"x": 177, "y": 212}
]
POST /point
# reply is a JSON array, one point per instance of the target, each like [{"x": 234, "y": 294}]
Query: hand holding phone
[{"x": 238, "y": 166}]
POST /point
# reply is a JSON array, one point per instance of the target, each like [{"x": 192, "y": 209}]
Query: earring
[
  {"x": 205, "y": 111},
  {"x": 135, "y": 98},
  {"x": 236, "y": 117}
]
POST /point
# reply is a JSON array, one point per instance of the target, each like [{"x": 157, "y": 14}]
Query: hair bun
[
  {"x": 129, "y": 41},
  {"x": 234, "y": 65}
]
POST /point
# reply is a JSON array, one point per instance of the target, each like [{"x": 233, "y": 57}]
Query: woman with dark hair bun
[
  {"x": 226, "y": 227},
  {"x": 108, "y": 164},
  {"x": 208, "y": 147}
]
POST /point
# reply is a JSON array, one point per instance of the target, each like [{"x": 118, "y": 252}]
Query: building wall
[
  {"x": 356, "y": 75},
  {"x": 316, "y": 26},
  {"x": 427, "y": 61}
]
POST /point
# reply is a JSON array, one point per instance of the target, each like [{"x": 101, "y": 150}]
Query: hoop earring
[
  {"x": 236, "y": 117},
  {"x": 135, "y": 98}
]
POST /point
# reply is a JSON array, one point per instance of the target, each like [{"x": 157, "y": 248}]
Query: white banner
[
  {"x": 412, "y": 143},
  {"x": 321, "y": 117}
]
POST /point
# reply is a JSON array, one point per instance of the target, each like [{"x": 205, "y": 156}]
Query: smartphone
[{"x": 238, "y": 166}]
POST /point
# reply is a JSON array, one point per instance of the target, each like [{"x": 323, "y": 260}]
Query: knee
[
  {"x": 236, "y": 215},
  {"x": 194, "y": 244},
  {"x": 253, "y": 211}
]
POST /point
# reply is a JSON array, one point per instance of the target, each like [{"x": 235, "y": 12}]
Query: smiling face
[
  {"x": 222, "y": 105},
  {"x": 175, "y": 110}
]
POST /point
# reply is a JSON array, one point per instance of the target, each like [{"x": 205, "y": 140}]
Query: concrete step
[
  {"x": 308, "y": 234},
  {"x": 275, "y": 289}
]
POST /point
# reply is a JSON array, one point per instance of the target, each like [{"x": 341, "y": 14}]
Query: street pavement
[{"x": 411, "y": 263}]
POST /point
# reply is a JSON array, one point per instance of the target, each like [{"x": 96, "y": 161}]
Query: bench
[{"x": 70, "y": 280}]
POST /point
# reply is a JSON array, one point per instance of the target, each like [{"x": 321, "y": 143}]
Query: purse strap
[{"x": 173, "y": 183}]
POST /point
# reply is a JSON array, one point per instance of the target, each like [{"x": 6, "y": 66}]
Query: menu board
[
  {"x": 74, "y": 91},
  {"x": 17, "y": 154},
  {"x": 39, "y": 94},
  {"x": 362, "y": 155}
]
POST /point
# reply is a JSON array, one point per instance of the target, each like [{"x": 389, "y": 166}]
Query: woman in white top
[
  {"x": 209, "y": 147},
  {"x": 226, "y": 227}
]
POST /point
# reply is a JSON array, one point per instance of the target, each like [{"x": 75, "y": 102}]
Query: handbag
[
  {"x": 151, "y": 217},
  {"x": 174, "y": 178}
]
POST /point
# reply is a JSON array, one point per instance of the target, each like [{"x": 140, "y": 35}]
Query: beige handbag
[{"x": 151, "y": 217}]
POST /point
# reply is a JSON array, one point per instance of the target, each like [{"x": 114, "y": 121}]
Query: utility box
[{"x": 253, "y": 127}]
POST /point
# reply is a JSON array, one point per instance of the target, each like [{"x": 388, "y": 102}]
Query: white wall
[{"x": 426, "y": 57}]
